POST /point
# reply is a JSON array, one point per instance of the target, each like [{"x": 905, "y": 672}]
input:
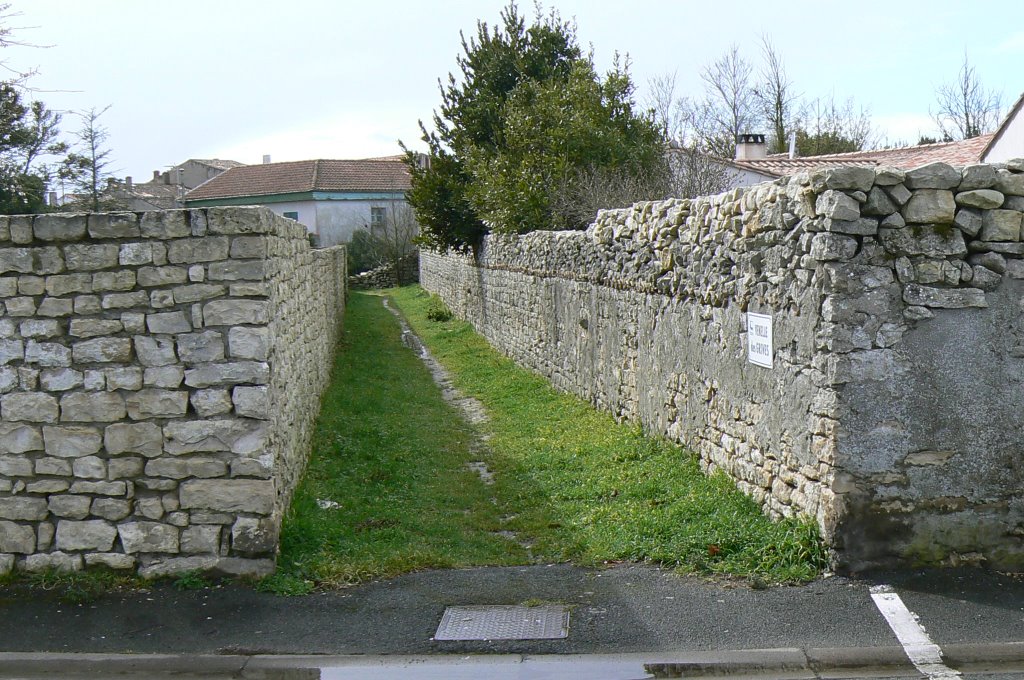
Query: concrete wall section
[
  {"x": 892, "y": 413},
  {"x": 159, "y": 377}
]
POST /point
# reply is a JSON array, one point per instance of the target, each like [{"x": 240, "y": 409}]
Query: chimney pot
[
  {"x": 128, "y": 183},
  {"x": 266, "y": 159},
  {"x": 156, "y": 175},
  {"x": 750, "y": 147}
]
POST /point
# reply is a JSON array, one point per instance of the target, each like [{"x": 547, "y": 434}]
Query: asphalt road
[{"x": 621, "y": 610}]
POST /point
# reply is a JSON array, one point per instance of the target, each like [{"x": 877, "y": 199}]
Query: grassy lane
[{"x": 387, "y": 490}]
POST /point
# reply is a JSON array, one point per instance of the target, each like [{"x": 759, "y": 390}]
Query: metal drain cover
[{"x": 504, "y": 622}]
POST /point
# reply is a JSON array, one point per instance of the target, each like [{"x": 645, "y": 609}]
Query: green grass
[
  {"x": 390, "y": 455},
  {"x": 588, "y": 490}
]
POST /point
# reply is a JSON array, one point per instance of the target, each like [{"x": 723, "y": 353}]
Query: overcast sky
[{"x": 303, "y": 79}]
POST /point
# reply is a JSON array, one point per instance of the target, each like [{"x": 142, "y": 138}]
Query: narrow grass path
[{"x": 388, "y": 489}]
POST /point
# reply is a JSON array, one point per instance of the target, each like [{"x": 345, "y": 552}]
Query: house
[
  {"x": 753, "y": 164},
  {"x": 333, "y": 198}
]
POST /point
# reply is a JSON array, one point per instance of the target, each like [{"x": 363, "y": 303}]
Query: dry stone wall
[
  {"x": 159, "y": 377},
  {"x": 892, "y": 413}
]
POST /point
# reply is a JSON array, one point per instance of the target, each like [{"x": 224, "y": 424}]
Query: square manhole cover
[{"x": 504, "y": 622}]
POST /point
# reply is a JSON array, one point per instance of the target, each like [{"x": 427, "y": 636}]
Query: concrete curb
[{"x": 793, "y": 661}]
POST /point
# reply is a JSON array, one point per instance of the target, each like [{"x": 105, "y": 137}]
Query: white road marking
[{"x": 922, "y": 652}]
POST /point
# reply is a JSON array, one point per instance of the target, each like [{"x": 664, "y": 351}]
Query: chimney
[
  {"x": 750, "y": 147},
  {"x": 52, "y": 199},
  {"x": 156, "y": 175},
  {"x": 128, "y": 183},
  {"x": 266, "y": 159}
]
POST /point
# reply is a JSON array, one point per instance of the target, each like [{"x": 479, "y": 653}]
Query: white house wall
[
  {"x": 305, "y": 209},
  {"x": 1011, "y": 143}
]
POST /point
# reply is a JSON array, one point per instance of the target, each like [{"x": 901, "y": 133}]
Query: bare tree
[
  {"x": 387, "y": 241},
  {"x": 729, "y": 107},
  {"x": 965, "y": 109},
  {"x": 827, "y": 127},
  {"x": 775, "y": 98}
]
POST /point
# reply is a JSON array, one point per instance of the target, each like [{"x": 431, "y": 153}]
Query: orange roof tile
[{"x": 368, "y": 174}]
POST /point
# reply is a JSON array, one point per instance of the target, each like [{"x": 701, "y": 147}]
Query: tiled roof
[
  {"x": 965, "y": 152},
  {"x": 368, "y": 174},
  {"x": 216, "y": 163}
]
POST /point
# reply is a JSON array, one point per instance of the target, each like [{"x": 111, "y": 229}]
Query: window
[
  {"x": 377, "y": 218},
  {"x": 292, "y": 215}
]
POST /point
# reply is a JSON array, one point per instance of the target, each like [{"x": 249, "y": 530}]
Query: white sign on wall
[{"x": 759, "y": 339}]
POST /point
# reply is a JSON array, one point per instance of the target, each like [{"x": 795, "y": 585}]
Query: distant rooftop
[
  {"x": 964, "y": 152},
  {"x": 388, "y": 174}
]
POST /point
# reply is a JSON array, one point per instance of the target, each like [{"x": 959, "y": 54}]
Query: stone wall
[
  {"x": 385, "y": 276},
  {"x": 160, "y": 374},
  {"x": 893, "y": 413}
]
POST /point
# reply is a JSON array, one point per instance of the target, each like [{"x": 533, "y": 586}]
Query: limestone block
[
  {"x": 103, "y": 350},
  {"x": 8, "y": 379},
  {"x": 257, "y": 496},
  {"x": 255, "y": 247},
  {"x": 16, "y": 538},
  {"x": 127, "y": 378},
  {"x": 211, "y": 402},
  {"x": 8, "y": 328},
  {"x": 856, "y": 179},
  {"x": 180, "y": 468},
  {"x": 90, "y": 257},
  {"x": 197, "y": 292},
  {"x": 19, "y": 438},
  {"x": 118, "y": 280},
  {"x": 165, "y": 224},
  {"x": 33, "y": 406},
  {"x": 197, "y": 348},
  {"x": 23, "y": 508},
  {"x": 865, "y": 226},
  {"x": 117, "y": 561},
  {"x": 984, "y": 199},
  {"x": 193, "y": 250},
  {"x": 55, "y": 561},
  {"x": 230, "y": 373},
  {"x": 100, "y": 488},
  {"x": 94, "y": 380},
  {"x": 239, "y": 221},
  {"x": 834, "y": 204},
  {"x": 11, "y": 350},
  {"x": 90, "y": 467},
  {"x": 234, "y": 270},
  {"x": 249, "y": 289},
  {"x": 124, "y": 468},
  {"x": 114, "y": 225},
  {"x": 92, "y": 408},
  {"x": 933, "y": 176},
  {"x": 70, "y": 506},
  {"x": 150, "y": 507},
  {"x": 946, "y": 298},
  {"x": 930, "y": 206},
  {"x": 153, "y": 403},
  {"x": 31, "y": 285},
  {"x": 155, "y": 351},
  {"x": 138, "y": 298},
  {"x": 144, "y": 438},
  {"x": 236, "y": 312},
  {"x": 980, "y": 176},
  {"x": 163, "y": 376},
  {"x": 969, "y": 221},
  {"x": 133, "y": 322},
  {"x": 168, "y": 323},
  {"x": 47, "y": 486},
  {"x": 251, "y": 402},
  {"x": 923, "y": 240},
  {"x": 985, "y": 278},
  {"x": 49, "y": 354},
  {"x": 21, "y": 306},
  {"x": 53, "y": 466},
  {"x": 241, "y": 567},
  {"x": 40, "y": 328},
  {"x": 254, "y": 535},
  {"x": 159, "y": 253},
  {"x": 84, "y": 304},
  {"x": 91, "y": 328},
  {"x": 199, "y": 436},
  {"x": 38, "y": 261},
  {"x": 177, "y": 565},
  {"x": 59, "y": 227},
  {"x": 1001, "y": 225},
  {"x": 162, "y": 276},
  {"x": 94, "y": 534},
  {"x": 249, "y": 343},
  {"x": 1010, "y": 183},
  {"x": 197, "y": 273},
  {"x": 148, "y": 537},
  {"x": 112, "y": 509},
  {"x": 203, "y": 539},
  {"x": 251, "y": 467},
  {"x": 15, "y": 466},
  {"x": 161, "y": 299},
  {"x": 62, "y": 284},
  {"x": 135, "y": 254}
]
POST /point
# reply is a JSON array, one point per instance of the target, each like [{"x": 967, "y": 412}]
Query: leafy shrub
[{"x": 437, "y": 310}]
